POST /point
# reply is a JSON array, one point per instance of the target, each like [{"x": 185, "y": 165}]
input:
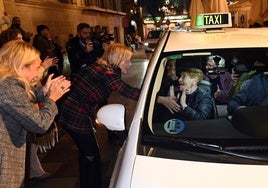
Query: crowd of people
[{"x": 35, "y": 96}]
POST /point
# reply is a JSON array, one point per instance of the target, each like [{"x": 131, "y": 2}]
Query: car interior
[{"x": 245, "y": 130}]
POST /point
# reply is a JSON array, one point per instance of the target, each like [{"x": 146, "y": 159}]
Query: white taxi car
[{"x": 224, "y": 151}]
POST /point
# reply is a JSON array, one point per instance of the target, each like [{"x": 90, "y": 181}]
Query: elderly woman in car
[{"x": 191, "y": 103}]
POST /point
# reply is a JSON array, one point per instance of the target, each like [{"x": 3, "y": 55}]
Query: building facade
[{"x": 62, "y": 16}]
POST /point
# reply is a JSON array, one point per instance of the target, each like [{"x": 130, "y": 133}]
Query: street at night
[{"x": 62, "y": 160}]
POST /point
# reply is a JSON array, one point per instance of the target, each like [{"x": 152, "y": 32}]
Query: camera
[
  {"x": 96, "y": 44},
  {"x": 215, "y": 71},
  {"x": 216, "y": 65},
  {"x": 107, "y": 38},
  {"x": 97, "y": 41}
]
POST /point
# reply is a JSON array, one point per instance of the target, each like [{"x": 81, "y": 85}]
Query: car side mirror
[{"x": 112, "y": 116}]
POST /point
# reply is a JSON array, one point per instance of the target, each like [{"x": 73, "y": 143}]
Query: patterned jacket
[
  {"x": 19, "y": 115},
  {"x": 91, "y": 87}
]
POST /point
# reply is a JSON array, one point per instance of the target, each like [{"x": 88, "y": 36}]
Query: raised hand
[
  {"x": 57, "y": 87},
  {"x": 49, "y": 62},
  {"x": 218, "y": 92},
  {"x": 183, "y": 100},
  {"x": 89, "y": 45},
  {"x": 170, "y": 103}
]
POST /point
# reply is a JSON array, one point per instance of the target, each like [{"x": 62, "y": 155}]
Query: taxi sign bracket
[{"x": 215, "y": 30}]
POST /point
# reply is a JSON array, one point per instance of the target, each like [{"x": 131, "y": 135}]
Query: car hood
[{"x": 158, "y": 172}]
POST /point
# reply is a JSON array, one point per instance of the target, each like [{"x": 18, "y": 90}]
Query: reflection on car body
[{"x": 218, "y": 152}]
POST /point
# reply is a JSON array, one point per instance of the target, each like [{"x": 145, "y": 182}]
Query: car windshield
[{"x": 207, "y": 85}]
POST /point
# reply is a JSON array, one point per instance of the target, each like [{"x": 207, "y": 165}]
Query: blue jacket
[
  {"x": 199, "y": 107},
  {"x": 253, "y": 93}
]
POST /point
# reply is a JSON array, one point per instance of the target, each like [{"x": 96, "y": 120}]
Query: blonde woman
[
  {"x": 19, "y": 65},
  {"x": 91, "y": 87}
]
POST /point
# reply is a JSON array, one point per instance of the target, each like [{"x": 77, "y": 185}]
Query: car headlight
[{"x": 146, "y": 44}]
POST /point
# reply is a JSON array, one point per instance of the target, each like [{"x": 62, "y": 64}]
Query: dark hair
[
  {"x": 40, "y": 28},
  {"x": 8, "y": 35},
  {"x": 82, "y": 26},
  {"x": 15, "y": 17},
  {"x": 97, "y": 27}
]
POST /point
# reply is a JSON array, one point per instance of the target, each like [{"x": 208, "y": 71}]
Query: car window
[
  {"x": 239, "y": 66},
  {"x": 234, "y": 64}
]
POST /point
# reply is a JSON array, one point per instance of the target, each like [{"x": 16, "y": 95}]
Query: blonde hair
[
  {"x": 15, "y": 55},
  {"x": 194, "y": 73},
  {"x": 115, "y": 54}
]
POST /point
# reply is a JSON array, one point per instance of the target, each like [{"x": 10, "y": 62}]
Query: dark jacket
[
  {"x": 45, "y": 46},
  {"x": 25, "y": 37},
  {"x": 226, "y": 84},
  {"x": 47, "y": 49},
  {"x": 199, "y": 107},
  {"x": 77, "y": 55},
  {"x": 253, "y": 93}
]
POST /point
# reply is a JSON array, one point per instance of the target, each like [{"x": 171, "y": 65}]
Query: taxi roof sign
[{"x": 213, "y": 20}]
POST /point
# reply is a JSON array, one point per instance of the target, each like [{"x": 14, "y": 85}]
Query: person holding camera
[
  {"x": 221, "y": 80},
  {"x": 82, "y": 50},
  {"x": 240, "y": 73}
]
